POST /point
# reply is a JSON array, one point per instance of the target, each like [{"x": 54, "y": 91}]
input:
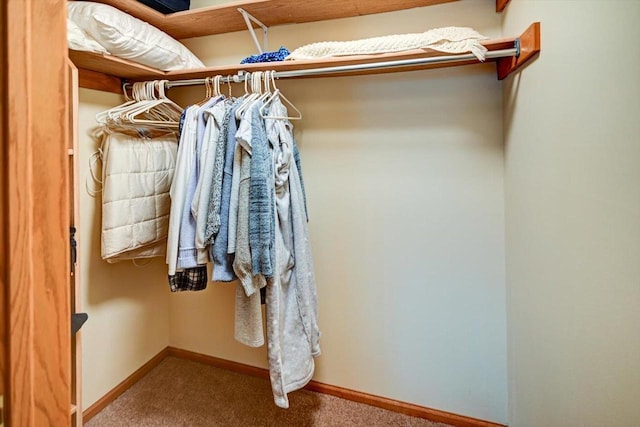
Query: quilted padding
[{"x": 137, "y": 175}]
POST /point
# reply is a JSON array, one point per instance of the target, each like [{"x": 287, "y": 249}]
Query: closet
[
  {"x": 133, "y": 72},
  {"x": 108, "y": 73}
]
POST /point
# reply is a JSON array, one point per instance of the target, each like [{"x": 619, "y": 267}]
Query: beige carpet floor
[{"x": 180, "y": 392}]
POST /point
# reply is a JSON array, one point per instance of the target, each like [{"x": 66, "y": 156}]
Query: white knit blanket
[{"x": 446, "y": 39}]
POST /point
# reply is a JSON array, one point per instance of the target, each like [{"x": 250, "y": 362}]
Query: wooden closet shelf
[
  {"x": 225, "y": 18},
  {"x": 337, "y": 61},
  {"x": 114, "y": 66},
  {"x": 98, "y": 71}
]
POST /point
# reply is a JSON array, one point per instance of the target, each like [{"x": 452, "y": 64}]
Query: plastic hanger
[
  {"x": 216, "y": 85},
  {"x": 251, "y": 96},
  {"x": 153, "y": 111},
  {"x": 146, "y": 99},
  {"x": 111, "y": 115},
  {"x": 103, "y": 116},
  {"x": 279, "y": 95},
  {"x": 207, "y": 93},
  {"x": 229, "y": 85},
  {"x": 264, "y": 88}
]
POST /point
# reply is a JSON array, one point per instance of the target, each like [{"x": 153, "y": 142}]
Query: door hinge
[{"x": 74, "y": 248}]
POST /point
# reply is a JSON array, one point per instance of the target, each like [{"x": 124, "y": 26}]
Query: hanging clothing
[
  {"x": 291, "y": 304},
  {"x": 261, "y": 203},
  {"x": 190, "y": 279},
  {"x": 178, "y": 192},
  {"x": 234, "y": 197},
  {"x": 214, "y": 130},
  {"x": 242, "y": 199},
  {"x": 188, "y": 252},
  {"x": 248, "y": 313},
  {"x": 296, "y": 156},
  {"x": 223, "y": 261},
  {"x": 212, "y": 220}
]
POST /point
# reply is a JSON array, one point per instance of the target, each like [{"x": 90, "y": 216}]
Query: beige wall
[
  {"x": 404, "y": 174},
  {"x": 573, "y": 217},
  {"x": 128, "y": 306}
]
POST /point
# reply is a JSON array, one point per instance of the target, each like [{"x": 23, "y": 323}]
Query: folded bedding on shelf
[
  {"x": 130, "y": 38},
  {"x": 447, "y": 39},
  {"x": 79, "y": 40}
]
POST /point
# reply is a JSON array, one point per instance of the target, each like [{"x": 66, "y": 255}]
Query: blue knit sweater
[{"x": 261, "y": 199}]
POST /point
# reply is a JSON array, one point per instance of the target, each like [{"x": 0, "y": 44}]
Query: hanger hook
[
  {"x": 152, "y": 89},
  {"x": 265, "y": 80},
  {"x": 161, "y": 88},
  {"x": 217, "y": 84},
  {"x": 259, "y": 81},
  {"x": 141, "y": 91},
  {"x": 253, "y": 81},
  {"x": 124, "y": 91},
  {"x": 138, "y": 87},
  {"x": 229, "y": 84}
]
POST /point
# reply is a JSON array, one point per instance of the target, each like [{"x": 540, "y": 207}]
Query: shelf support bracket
[
  {"x": 527, "y": 45},
  {"x": 265, "y": 30},
  {"x": 501, "y": 5}
]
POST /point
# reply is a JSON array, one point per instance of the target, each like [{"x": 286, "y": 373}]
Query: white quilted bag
[{"x": 137, "y": 175}]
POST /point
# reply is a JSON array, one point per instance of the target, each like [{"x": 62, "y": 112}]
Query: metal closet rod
[{"x": 242, "y": 75}]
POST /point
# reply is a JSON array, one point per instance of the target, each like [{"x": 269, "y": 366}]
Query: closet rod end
[{"x": 528, "y": 47}]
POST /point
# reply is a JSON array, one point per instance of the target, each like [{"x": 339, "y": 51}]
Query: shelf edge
[
  {"x": 90, "y": 79},
  {"x": 498, "y": 44},
  {"x": 529, "y": 48}
]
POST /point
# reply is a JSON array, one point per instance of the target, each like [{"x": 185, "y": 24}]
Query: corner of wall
[{"x": 128, "y": 305}]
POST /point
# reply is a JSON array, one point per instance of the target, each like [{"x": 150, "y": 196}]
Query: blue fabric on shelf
[{"x": 276, "y": 56}]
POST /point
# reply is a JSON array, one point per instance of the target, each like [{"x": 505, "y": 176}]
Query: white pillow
[
  {"x": 78, "y": 40},
  {"x": 130, "y": 38}
]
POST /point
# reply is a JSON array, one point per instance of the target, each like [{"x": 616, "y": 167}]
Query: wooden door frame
[
  {"x": 35, "y": 212},
  {"x": 3, "y": 216}
]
